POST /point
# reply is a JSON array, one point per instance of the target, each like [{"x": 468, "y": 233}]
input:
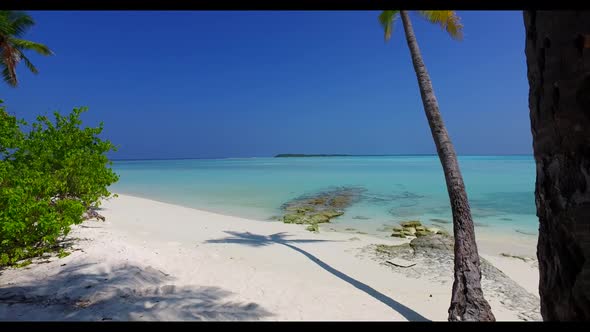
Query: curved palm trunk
[
  {"x": 558, "y": 61},
  {"x": 467, "y": 300}
]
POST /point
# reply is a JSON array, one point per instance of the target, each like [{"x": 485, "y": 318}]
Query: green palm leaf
[
  {"x": 15, "y": 23},
  {"x": 447, "y": 19},
  {"x": 29, "y": 64},
  {"x": 21, "y": 23},
  {"x": 8, "y": 76},
  {"x": 22, "y": 44},
  {"x": 387, "y": 18}
]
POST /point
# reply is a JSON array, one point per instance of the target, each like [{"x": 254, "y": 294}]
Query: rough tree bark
[
  {"x": 467, "y": 300},
  {"x": 558, "y": 60}
]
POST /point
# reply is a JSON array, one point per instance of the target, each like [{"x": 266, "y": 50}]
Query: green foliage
[
  {"x": 23, "y": 263},
  {"x": 49, "y": 176},
  {"x": 446, "y": 19},
  {"x": 62, "y": 253}
]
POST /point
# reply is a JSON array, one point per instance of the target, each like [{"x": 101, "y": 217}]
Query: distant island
[{"x": 290, "y": 155}]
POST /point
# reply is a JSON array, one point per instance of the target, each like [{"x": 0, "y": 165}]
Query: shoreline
[
  {"x": 491, "y": 241},
  {"x": 156, "y": 261}
]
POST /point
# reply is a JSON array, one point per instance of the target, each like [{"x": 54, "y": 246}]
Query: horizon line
[{"x": 343, "y": 155}]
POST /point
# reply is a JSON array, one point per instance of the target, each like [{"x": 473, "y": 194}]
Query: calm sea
[{"x": 500, "y": 188}]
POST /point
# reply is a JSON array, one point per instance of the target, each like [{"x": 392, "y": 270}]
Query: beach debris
[
  {"x": 92, "y": 214},
  {"x": 313, "y": 228},
  {"x": 361, "y": 218},
  {"x": 83, "y": 303},
  {"x": 384, "y": 248},
  {"x": 400, "y": 262},
  {"x": 523, "y": 232},
  {"x": 320, "y": 207},
  {"x": 433, "y": 255},
  {"x": 523, "y": 258}
]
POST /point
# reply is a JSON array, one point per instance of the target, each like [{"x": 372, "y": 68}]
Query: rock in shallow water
[
  {"x": 321, "y": 207},
  {"x": 415, "y": 228},
  {"x": 421, "y": 233},
  {"x": 432, "y": 229},
  {"x": 398, "y": 234},
  {"x": 433, "y": 241},
  {"x": 411, "y": 223},
  {"x": 410, "y": 230}
]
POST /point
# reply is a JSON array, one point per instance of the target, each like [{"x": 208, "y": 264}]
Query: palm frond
[
  {"x": 387, "y": 18},
  {"x": 22, "y": 44},
  {"x": 21, "y": 22},
  {"x": 447, "y": 19},
  {"x": 15, "y": 23},
  {"x": 28, "y": 63},
  {"x": 8, "y": 75},
  {"x": 5, "y": 26}
]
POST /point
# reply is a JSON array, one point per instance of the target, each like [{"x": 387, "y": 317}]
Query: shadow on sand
[
  {"x": 124, "y": 293},
  {"x": 255, "y": 240}
]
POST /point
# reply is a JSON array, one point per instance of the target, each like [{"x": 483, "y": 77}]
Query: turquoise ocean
[{"x": 397, "y": 188}]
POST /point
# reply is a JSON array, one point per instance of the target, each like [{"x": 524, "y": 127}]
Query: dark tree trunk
[
  {"x": 558, "y": 61},
  {"x": 467, "y": 300}
]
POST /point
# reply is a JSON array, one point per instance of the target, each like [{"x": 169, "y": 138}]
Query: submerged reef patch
[{"x": 321, "y": 207}]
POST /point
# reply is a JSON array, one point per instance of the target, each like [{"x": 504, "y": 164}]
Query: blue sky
[{"x": 241, "y": 84}]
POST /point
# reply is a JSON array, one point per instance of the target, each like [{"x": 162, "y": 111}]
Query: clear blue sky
[{"x": 241, "y": 84}]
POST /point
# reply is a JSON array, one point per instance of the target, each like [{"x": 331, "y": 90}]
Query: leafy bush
[{"x": 49, "y": 176}]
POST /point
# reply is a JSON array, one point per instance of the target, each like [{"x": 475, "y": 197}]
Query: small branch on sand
[{"x": 400, "y": 262}]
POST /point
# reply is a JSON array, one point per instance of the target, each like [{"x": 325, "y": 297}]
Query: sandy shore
[{"x": 156, "y": 261}]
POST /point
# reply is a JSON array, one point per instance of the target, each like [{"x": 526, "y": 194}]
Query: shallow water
[{"x": 500, "y": 188}]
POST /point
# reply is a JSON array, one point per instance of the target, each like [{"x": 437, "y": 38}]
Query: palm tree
[
  {"x": 557, "y": 52},
  {"x": 13, "y": 25},
  {"x": 467, "y": 300}
]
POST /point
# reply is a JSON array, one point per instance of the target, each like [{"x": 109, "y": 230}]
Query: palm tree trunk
[
  {"x": 467, "y": 300},
  {"x": 558, "y": 61}
]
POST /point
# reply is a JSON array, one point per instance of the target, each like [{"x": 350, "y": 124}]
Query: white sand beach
[{"x": 156, "y": 261}]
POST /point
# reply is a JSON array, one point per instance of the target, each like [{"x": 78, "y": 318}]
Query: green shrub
[{"x": 49, "y": 176}]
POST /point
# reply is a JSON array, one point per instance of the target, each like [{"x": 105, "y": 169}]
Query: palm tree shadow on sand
[
  {"x": 256, "y": 240},
  {"x": 123, "y": 293}
]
